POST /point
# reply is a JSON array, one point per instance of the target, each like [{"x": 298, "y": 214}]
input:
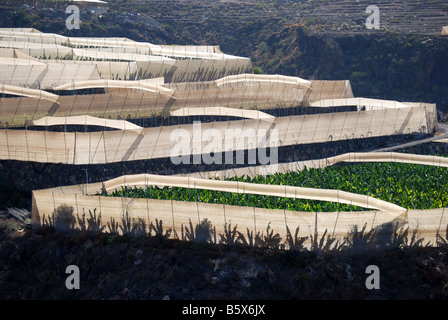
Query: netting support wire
[
  {"x": 147, "y": 214},
  {"x": 87, "y": 181},
  {"x": 440, "y": 222},
  {"x": 172, "y": 215},
  {"x": 7, "y": 143},
  {"x": 197, "y": 205},
  {"x": 343, "y": 127},
  {"x": 54, "y": 202},
  {"x": 27, "y": 149},
  {"x": 315, "y": 227},
  {"x": 76, "y": 202},
  {"x": 382, "y": 124},
  {"x": 374, "y": 218},
  {"x": 255, "y": 221},
  {"x": 46, "y": 146},
  {"x": 335, "y": 223},
  {"x": 122, "y": 206},
  {"x": 284, "y": 212},
  {"x": 396, "y": 120}
]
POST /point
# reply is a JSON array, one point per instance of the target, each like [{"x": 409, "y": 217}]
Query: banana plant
[{"x": 408, "y": 185}]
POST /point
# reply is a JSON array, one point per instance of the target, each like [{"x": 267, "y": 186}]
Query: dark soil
[{"x": 33, "y": 266}]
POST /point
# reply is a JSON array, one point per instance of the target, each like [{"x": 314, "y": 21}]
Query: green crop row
[{"x": 407, "y": 185}]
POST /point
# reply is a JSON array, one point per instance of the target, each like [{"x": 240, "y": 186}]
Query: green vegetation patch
[{"x": 407, "y": 185}]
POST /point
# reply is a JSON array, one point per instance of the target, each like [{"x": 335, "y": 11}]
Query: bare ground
[{"x": 112, "y": 267}]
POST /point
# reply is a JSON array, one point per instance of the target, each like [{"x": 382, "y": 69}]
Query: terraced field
[
  {"x": 336, "y": 16},
  {"x": 183, "y": 261},
  {"x": 407, "y": 185}
]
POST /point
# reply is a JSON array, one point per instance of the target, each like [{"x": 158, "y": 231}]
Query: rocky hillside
[
  {"x": 327, "y": 39},
  {"x": 405, "y": 67},
  {"x": 152, "y": 267}
]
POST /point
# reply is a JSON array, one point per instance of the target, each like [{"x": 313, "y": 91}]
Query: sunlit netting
[
  {"x": 121, "y": 58},
  {"x": 177, "y": 215},
  {"x": 86, "y": 102},
  {"x": 445, "y": 31},
  {"x": 114, "y": 78},
  {"x": 159, "y": 142}
]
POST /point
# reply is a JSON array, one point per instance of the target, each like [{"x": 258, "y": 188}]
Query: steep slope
[{"x": 388, "y": 66}]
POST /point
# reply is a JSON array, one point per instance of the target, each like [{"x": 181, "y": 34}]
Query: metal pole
[{"x": 87, "y": 180}]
